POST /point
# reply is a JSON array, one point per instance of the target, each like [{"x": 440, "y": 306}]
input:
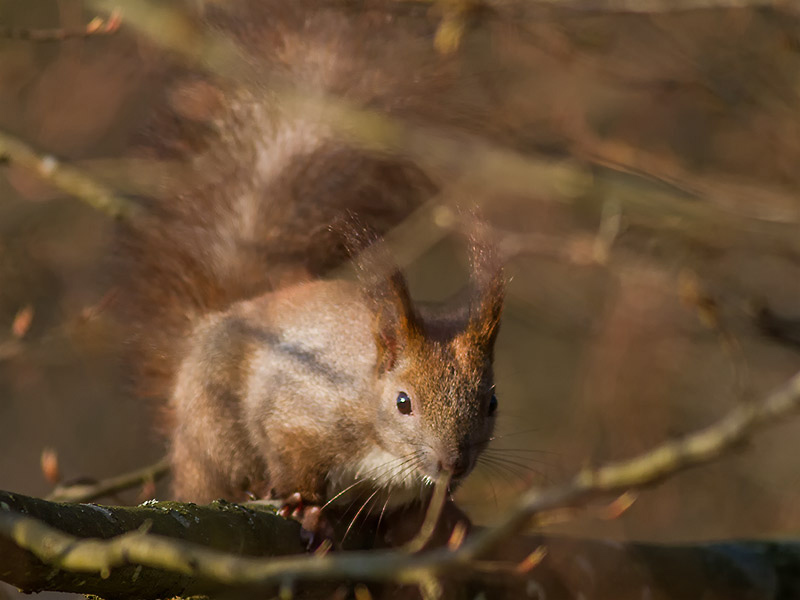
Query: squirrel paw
[{"x": 315, "y": 529}]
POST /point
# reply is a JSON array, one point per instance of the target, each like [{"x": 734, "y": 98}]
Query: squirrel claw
[
  {"x": 292, "y": 506},
  {"x": 314, "y": 527}
]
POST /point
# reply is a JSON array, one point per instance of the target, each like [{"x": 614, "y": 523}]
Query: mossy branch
[
  {"x": 74, "y": 547},
  {"x": 213, "y": 550},
  {"x": 223, "y": 548}
]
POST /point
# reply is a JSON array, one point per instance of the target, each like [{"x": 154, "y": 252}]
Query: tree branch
[
  {"x": 43, "y": 544},
  {"x": 649, "y": 468},
  {"x": 95, "y": 27},
  {"x": 86, "y": 492},
  {"x": 52, "y": 547},
  {"x": 65, "y": 177},
  {"x": 735, "y": 571},
  {"x": 659, "y": 6}
]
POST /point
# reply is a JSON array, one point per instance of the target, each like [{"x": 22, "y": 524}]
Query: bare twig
[
  {"x": 241, "y": 530},
  {"x": 659, "y": 6},
  {"x": 95, "y": 27},
  {"x": 65, "y": 177},
  {"x": 709, "y": 312},
  {"x": 476, "y": 162},
  {"x": 432, "y": 515},
  {"x": 93, "y": 491},
  {"x": 67, "y": 552},
  {"x": 646, "y": 469}
]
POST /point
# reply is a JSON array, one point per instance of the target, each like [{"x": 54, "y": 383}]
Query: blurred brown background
[{"x": 676, "y": 135}]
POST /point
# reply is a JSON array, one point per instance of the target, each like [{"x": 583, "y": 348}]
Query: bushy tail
[{"x": 265, "y": 181}]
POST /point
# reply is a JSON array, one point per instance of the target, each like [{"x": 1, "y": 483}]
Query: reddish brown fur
[{"x": 217, "y": 276}]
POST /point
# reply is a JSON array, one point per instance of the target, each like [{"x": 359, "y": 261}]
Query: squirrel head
[{"x": 434, "y": 375}]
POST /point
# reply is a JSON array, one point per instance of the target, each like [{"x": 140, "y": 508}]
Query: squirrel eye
[
  {"x": 492, "y": 405},
  {"x": 404, "y": 403}
]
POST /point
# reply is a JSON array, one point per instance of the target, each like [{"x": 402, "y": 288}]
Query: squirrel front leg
[
  {"x": 301, "y": 485},
  {"x": 195, "y": 478},
  {"x": 294, "y": 469},
  {"x": 212, "y": 455}
]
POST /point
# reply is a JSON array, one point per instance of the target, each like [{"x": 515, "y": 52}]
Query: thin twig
[
  {"x": 112, "y": 485},
  {"x": 432, "y": 515},
  {"x": 95, "y": 27},
  {"x": 68, "y": 552},
  {"x": 658, "y": 6},
  {"x": 646, "y": 469},
  {"x": 65, "y": 177}
]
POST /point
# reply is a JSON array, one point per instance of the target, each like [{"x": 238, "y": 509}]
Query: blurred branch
[
  {"x": 607, "y": 6},
  {"x": 54, "y": 531},
  {"x": 10, "y": 349},
  {"x": 95, "y": 27},
  {"x": 92, "y": 491},
  {"x": 734, "y": 197},
  {"x": 659, "y": 6},
  {"x": 486, "y": 168},
  {"x": 582, "y": 249},
  {"x": 695, "y": 296},
  {"x": 67, "y": 552},
  {"x": 65, "y": 177},
  {"x": 784, "y": 329},
  {"x": 649, "y": 468}
]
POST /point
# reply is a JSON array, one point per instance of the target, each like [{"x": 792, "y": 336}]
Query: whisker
[
  {"x": 503, "y": 453},
  {"x": 513, "y": 433},
  {"x": 370, "y": 507},
  {"x": 375, "y": 472},
  {"x": 408, "y": 468},
  {"x": 347, "y": 489},
  {"x": 512, "y": 464},
  {"x": 491, "y": 485},
  {"x": 383, "y": 510},
  {"x": 506, "y": 481},
  {"x": 371, "y": 496},
  {"x": 510, "y": 477},
  {"x": 516, "y": 463},
  {"x": 526, "y": 450},
  {"x": 521, "y": 472}
]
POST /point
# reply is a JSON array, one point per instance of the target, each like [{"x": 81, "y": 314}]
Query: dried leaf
[
  {"x": 49, "y": 466},
  {"x": 457, "y": 537},
  {"x": 530, "y": 561},
  {"x": 362, "y": 593},
  {"x": 620, "y": 505},
  {"x": 22, "y": 322}
]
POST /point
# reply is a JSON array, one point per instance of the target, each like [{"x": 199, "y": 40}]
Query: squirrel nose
[{"x": 458, "y": 465}]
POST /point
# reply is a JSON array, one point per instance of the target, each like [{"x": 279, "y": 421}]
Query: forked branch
[{"x": 68, "y": 552}]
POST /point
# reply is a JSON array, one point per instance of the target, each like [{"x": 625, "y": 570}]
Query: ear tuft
[
  {"x": 398, "y": 323},
  {"x": 488, "y": 285}
]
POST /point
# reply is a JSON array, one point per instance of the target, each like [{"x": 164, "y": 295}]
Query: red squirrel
[{"x": 280, "y": 382}]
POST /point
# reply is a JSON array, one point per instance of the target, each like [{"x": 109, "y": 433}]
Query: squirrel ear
[
  {"x": 488, "y": 293},
  {"x": 398, "y": 322},
  {"x": 484, "y": 321}
]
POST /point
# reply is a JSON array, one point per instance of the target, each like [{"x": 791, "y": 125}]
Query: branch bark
[
  {"x": 56, "y": 546},
  {"x": 195, "y": 568},
  {"x": 227, "y": 541},
  {"x": 88, "y": 492},
  {"x": 65, "y": 177}
]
